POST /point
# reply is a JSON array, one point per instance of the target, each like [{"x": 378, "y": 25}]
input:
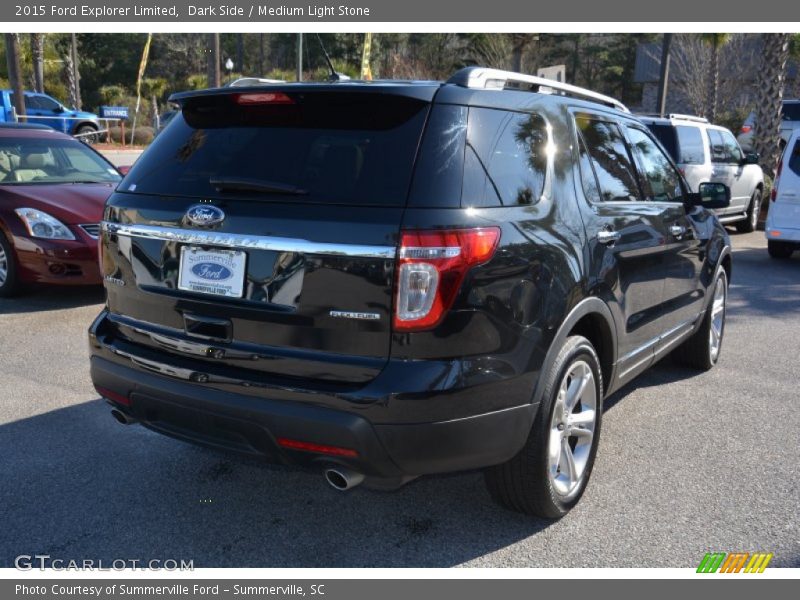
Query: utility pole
[
  {"x": 14, "y": 74},
  {"x": 239, "y": 68},
  {"x": 214, "y": 74},
  {"x": 663, "y": 81},
  {"x": 76, "y": 72},
  {"x": 299, "y": 57},
  {"x": 260, "y": 54}
]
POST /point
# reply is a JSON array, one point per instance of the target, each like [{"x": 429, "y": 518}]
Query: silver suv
[
  {"x": 706, "y": 152},
  {"x": 790, "y": 120}
]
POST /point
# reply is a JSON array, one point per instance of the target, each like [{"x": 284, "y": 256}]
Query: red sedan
[{"x": 52, "y": 192}]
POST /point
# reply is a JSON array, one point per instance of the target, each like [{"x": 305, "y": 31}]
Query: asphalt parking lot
[{"x": 688, "y": 463}]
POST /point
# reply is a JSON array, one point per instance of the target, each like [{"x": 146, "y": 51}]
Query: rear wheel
[
  {"x": 701, "y": 351},
  {"x": 9, "y": 284},
  {"x": 549, "y": 475},
  {"x": 779, "y": 249},
  {"x": 87, "y": 134},
  {"x": 750, "y": 224}
]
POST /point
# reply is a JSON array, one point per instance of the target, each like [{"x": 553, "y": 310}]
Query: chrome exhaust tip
[
  {"x": 343, "y": 479},
  {"x": 121, "y": 417}
]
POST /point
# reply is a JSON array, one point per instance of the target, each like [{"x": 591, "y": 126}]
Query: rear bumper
[{"x": 387, "y": 453}]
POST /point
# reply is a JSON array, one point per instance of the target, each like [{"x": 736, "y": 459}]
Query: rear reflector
[
  {"x": 746, "y": 128},
  {"x": 432, "y": 265},
  {"x": 113, "y": 396},
  {"x": 318, "y": 448},
  {"x": 264, "y": 98}
]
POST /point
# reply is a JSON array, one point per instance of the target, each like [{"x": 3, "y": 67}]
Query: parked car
[
  {"x": 165, "y": 118},
  {"x": 790, "y": 116},
  {"x": 252, "y": 82},
  {"x": 386, "y": 280},
  {"x": 705, "y": 152},
  {"x": 42, "y": 109},
  {"x": 783, "y": 218},
  {"x": 52, "y": 192}
]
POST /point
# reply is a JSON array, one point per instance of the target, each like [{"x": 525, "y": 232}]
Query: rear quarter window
[
  {"x": 691, "y": 149},
  {"x": 337, "y": 147},
  {"x": 506, "y": 160}
]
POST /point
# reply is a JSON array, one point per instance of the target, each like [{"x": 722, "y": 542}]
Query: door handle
[
  {"x": 677, "y": 230},
  {"x": 608, "y": 236}
]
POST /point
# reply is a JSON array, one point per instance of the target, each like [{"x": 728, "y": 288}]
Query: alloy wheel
[
  {"x": 756, "y": 211},
  {"x": 3, "y": 266},
  {"x": 572, "y": 428},
  {"x": 717, "y": 318}
]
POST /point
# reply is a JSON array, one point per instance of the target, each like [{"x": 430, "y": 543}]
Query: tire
[
  {"x": 702, "y": 350},
  {"x": 534, "y": 483},
  {"x": 750, "y": 224},
  {"x": 781, "y": 250},
  {"x": 9, "y": 280},
  {"x": 87, "y": 129}
]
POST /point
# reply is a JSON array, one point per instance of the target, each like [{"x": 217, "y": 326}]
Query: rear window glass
[
  {"x": 794, "y": 159},
  {"x": 791, "y": 112},
  {"x": 690, "y": 142},
  {"x": 512, "y": 148},
  {"x": 322, "y": 147}
]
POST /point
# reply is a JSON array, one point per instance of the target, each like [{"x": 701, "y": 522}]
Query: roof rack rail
[
  {"x": 687, "y": 118},
  {"x": 485, "y": 78}
]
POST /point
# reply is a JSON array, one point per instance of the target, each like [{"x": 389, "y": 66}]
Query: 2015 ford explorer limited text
[{"x": 391, "y": 279}]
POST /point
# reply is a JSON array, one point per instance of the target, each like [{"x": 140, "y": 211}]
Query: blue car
[{"x": 45, "y": 110}]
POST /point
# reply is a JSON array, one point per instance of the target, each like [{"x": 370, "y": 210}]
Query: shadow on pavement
[
  {"x": 76, "y": 484},
  {"x": 44, "y": 298}
]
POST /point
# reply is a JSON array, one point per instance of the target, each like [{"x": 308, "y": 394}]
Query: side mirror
[
  {"x": 59, "y": 109},
  {"x": 751, "y": 158},
  {"x": 123, "y": 170},
  {"x": 714, "y": 195}
]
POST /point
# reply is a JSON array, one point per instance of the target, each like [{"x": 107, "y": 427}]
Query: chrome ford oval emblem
[
  {"x": 204, "y": 215},
  {"x": 212, "y": 271}
]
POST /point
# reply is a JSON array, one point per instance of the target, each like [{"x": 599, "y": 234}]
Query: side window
[
  {"x": 661, "y": 178},
  {"x": 588, "y": 178},
  {"x": 724, "y": 148},
  {"x": 692, "y": 148},
  {"x": 512, "y": 147},
  {"x": 46, "y": 103},
  {"x": 731, "y": 147},
  {"x": 610, "y": 159},
  {"x": 32, "y": 102}
]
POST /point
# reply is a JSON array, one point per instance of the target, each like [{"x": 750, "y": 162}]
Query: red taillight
[
  {"x": 431, "y": 267},
  {"x": 263, "y": 98},
  {"x": 774, "y": 193},
  {"x": 747, "y": 128},
  {"x": 318, "y": 448},
  {"x": 113, "y": 396}
]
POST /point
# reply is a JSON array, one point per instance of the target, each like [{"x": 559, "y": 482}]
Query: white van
[{"x": 783, "y": 219}]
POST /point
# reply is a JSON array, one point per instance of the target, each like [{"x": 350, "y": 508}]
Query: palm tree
[
  {"x": 14, "y": 73},
  {"x": 769, "y": 98},
  {"x": 37, "y": 55},
  {"x": 794, "y": 53},
  {"x": 716, "y": 41}
]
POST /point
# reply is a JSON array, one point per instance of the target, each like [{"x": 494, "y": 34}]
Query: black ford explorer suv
[{"x": 390, "y": 279}]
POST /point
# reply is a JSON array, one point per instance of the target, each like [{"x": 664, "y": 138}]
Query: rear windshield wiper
[{"x": 244, "y": 184}]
